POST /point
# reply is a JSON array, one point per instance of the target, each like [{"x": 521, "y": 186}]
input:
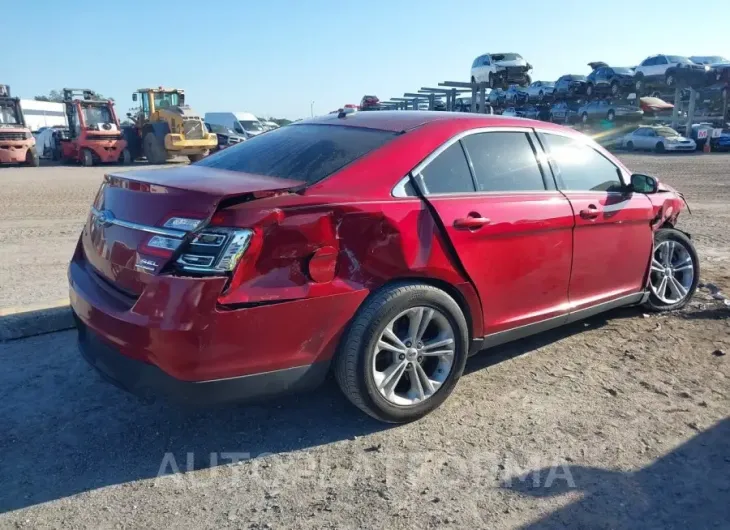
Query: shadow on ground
[
  {"x": 687, "y": 488},
  {"x": 65, "y": 431}
]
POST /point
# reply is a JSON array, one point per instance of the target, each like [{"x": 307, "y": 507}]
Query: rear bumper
[
  {"x": 178, "y": 337},
  {"x": 148, "y": 382},
  {"x": 13, "y": 152}
]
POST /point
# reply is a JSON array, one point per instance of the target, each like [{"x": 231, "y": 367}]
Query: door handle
[
  {"x": 589, "y": 213},
  {"x": 472, "y": 222}
]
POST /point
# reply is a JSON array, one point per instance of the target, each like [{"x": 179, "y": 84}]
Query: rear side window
[
  {"x": 448, "y": 172},
  {"x": 300, "y": 152},
  {"x": 580, "y": 167},
  {"x": 504, "y": 161}
]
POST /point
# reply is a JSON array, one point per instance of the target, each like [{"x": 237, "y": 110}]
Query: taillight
[{"x": 214, "y": 250}]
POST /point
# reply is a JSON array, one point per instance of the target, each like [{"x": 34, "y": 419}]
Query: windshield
[
  {"x": 251, "y": 125},
  {"x": 666, "y": 132},
  {"x": 712, "y": 59},
  {"x": 8, "y": 115},
  {"x": 164, "y": 100},
  {"x": 623, "y": 70},
  {"x": 300, "y": 152},
  {"x": 506, "y": 57},
  {"x": 97, "y": 115},
  {"x": 576, "y": 78},
  {"x": 678, "y": 59}
]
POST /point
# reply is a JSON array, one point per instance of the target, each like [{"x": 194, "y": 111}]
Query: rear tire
[
  {"x": 154, "y": 151},
  {"x": 87, "y": 158},
  {"x": 355, "y": 364},
  {"x": 614, "y": 88},
  {"x": 687, "y": 249},
  {"x": 669, "y": 80},
  {"x": 611, "y": 115},
  {"x": 589, "y": 90},
  {"x": 490, "y": 80}
]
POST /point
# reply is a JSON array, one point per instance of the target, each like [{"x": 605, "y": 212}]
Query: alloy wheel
[
  {"x": 672, "y": 272},
  {"x": 413, "y": 356}
]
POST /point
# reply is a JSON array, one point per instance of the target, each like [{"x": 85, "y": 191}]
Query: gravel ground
[{"x": 622, "y": 421}]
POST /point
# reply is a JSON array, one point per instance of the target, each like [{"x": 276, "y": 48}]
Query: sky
[{"x": 283, "y": 58}]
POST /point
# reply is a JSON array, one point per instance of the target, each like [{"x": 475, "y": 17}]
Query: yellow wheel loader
[{"x": 165, "y": 127}]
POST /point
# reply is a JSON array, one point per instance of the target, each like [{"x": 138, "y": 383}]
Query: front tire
[
  {"x": 87, "y": 158},
  {"x": 659, "y": 147},
  {"x": 589, "y": 90},
  {"x": 630, "y": 145},
  {"x": 403, "y": 353},
  {"x": 197, "y": 157},
  {"x": 674, "y": 272},
  {"x": 490, "y": 80},
  {"x": 32, "y": 159},
  {"x": 154, "y": 151},
  {"x": 614, "y": 88},
  {"x": 126, "y": 157},
  {"x": 639, "y": 84},
  {"x": 611, "y": 115}
]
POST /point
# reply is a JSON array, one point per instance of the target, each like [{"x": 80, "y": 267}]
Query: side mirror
[
  {"x": 644, "y": 183},
  {"x": 134, "y": 97}
]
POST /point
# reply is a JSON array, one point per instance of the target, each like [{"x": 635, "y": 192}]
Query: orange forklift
[
  {"x": 17, "y": 145},
  {"x": 94, "y": 135}
]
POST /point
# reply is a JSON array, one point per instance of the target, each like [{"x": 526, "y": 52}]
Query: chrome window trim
[
  {"x": 143, "y": 228},
  {"x": 399, "y": 190}
]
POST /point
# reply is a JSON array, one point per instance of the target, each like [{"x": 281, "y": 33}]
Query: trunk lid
[{"x": 132, "y": 207}]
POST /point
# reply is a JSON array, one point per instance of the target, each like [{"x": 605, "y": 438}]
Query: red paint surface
[{"x": 316, "y": 255}]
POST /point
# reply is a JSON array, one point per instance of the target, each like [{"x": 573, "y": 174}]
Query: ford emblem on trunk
[{"x": 104, "y": 218}]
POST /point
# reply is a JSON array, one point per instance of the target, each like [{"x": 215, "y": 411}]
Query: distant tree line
[{"x": 56, "y": 96}]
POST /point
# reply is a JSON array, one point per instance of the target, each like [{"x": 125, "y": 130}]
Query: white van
[{"x": 243, "y": 123}]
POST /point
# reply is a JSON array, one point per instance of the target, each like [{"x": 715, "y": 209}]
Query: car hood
[{"x": 516, "y": 62}]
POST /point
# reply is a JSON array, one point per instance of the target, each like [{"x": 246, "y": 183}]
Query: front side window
[
  {"x": 300, "y": 152},
  {"x": 503, "y": 161},
  {"x": 448, "y": 172},
  {"x": 580, "y": 167},
  {"x": 660, "y": 60},
  {"x": 678, "y": 59}
]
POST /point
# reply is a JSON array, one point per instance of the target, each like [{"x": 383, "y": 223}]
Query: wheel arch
[{"x": 463, "y": 294}]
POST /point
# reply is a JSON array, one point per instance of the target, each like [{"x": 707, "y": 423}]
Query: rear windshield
[
  {"x": 299, "y": 152},
  {"x": 576, "y": 77},
  {"x": 622, "y": 70}
]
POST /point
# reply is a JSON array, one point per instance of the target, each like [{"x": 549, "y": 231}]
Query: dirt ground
[{"x": 622, "y": 421}]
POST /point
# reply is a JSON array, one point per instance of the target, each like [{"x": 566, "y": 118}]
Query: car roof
[{"x": 404, "y": 120}]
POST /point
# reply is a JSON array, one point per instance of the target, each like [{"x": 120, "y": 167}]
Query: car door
[
  {"x": 600, "y": 79},
  {"x": 509, "y": 226},
  {"x": 660, "y": 66},
  {"x": 612, "y": 239}
]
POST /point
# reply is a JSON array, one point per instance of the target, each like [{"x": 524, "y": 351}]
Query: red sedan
[{"x": 385, "y": 246}]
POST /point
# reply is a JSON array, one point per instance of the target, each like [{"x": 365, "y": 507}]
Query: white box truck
[{"x": 243, "y": 123}]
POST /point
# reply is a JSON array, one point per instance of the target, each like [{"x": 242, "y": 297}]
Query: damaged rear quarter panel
[{"x": 375, "y": 242}]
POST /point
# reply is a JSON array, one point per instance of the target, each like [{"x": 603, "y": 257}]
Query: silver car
[
  {"x": 659, "y": 139},
  {"x": 539, "y": 90}
]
